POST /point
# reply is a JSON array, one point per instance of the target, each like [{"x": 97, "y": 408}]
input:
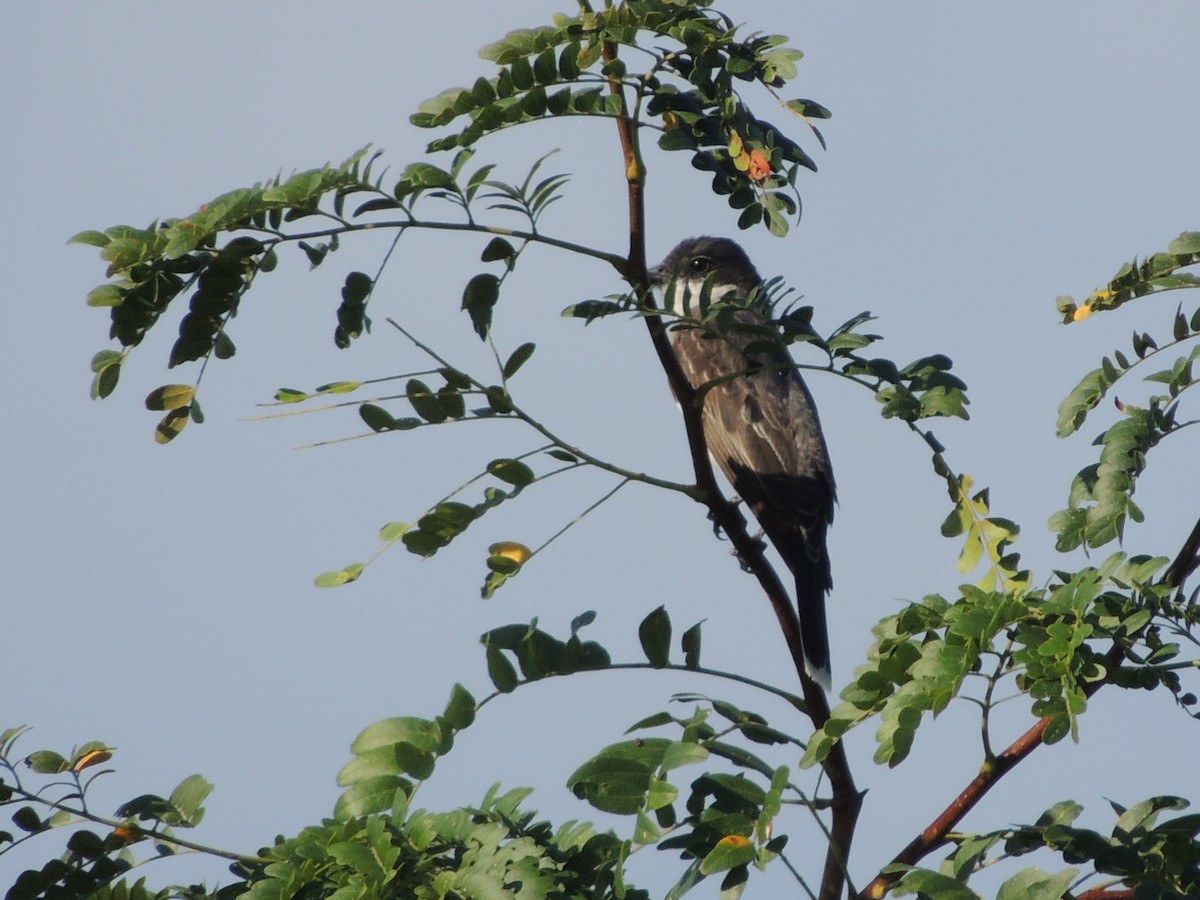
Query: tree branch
[
  {"x": 847, "y": 801},
  {"x": 1187, "y": 560},
  {"x": 992, "y": 771}
]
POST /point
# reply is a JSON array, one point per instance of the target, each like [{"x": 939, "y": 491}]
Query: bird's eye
[{"x": 700, "y": 264}]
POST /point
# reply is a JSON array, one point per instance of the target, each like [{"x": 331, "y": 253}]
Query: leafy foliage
[
  {"x": 1156, "y": 860},
  {"x": 1121, "y": 623},
  {"x": 1101, "y": 497}
]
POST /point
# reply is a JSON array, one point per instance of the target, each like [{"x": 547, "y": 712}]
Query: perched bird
[{"x": 760, "y": 422}]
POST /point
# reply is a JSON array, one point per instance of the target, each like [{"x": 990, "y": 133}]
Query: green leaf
[
  {"x": 27, "y": 819},
  {"x": 501, "y": 670},
  {"x": 1034, "y": 884},
  {"x": 426, "y": 175},
  {"x": 1187, "y": 243},
  {"x": 375, "y": 795},
  {"x": 497, "y": 249},
  {"x": 170, "y": 396},
  {"x": 91, "y": 238},
  {"x": 104, "y": 359},
  {"x": 479, "y": 298},
  {"x": 106, "y": 380},
  {"x": 545, "y": 67},
  {"x": 519, "y": 357},
  {"x": 357, "y": 288},
  {"x": 732, "y": 850},
  {"x": 376, "y": 417},
  {"x": 451, "y": 401},
  {"x": 393, "y": 531},
  {"x": 523, "y": 42},
  {"x": 424, "y": 402},
  {"x": 1082, "y": 399},
  {"x": 223, "y": 346},
  {"x": 440, "y": 109},
  {"x": 617, "y": 779},
  {"x": 106, "y": 295},
  {"x": 47, "y": 762},
  {"x": 682, "y": 753},
  {"x": 690, "y": 644},
  {"x": 460, "y": 710},
  {"x": 926, "y": 883},
  {"x": 511, "y": 471},
  {"x": 424, "y": 735},
  {"x": 655, "y": 635},
  {"x": 590, "y": 310},
  {"x": 339, "y": 577},
  {"x": 187, "y": 799},
  {"x": 290, "y": 395},
  {"x": 644, "y": 829},
  {"x": 170, "y": 425},
  {"x": 810, "y": 109},
  {"x": 316, "y": 254}
]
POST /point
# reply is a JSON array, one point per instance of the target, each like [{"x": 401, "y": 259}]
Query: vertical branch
[{"x": 847, "y": 801}]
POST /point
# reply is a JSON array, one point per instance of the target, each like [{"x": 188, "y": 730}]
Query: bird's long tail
[{"x": 814, "y": 633}]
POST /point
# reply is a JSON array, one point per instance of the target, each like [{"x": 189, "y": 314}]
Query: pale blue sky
[{"x": 982, "y": 159}]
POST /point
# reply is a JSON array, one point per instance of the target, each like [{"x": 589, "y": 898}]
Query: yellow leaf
[
  {"x": 734, "y": 840},
  {"x": 1082, "y": 312},
  {"x": 518, "y": 553},
  {"x": 93, "y": 758}
]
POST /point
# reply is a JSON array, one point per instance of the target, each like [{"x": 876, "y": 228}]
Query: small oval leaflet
[
  {"x": 170, "y": 396},
  {"x": 511, "y": 471}
]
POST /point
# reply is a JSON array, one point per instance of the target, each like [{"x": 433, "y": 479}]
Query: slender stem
[
  {"x": 987, "y": 703},
  {"x": 792, "y": 699},
  {"x": 579, "y": 518},
  {"x": 137, "y": 831},
  {"x": 617, "y": 262},
  {"x": 551, "y": 436}
]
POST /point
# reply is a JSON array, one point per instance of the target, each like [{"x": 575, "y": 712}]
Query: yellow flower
[{"x": 1082, "y": 312}]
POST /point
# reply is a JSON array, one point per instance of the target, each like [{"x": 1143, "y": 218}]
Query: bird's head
[{"x": 700, "y": 259}]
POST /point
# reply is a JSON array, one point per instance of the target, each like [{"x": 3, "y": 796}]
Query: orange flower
[{"x": 760, "y": 165}]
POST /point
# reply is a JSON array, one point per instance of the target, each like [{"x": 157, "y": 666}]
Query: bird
[{"x": 760, "y": 421}]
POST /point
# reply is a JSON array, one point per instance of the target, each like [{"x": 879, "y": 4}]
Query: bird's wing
[
  {"x": 761, "y": 426},
  {"x": 762, "y": 430}
]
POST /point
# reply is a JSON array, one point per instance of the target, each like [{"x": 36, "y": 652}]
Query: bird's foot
[{"x": 759, "y": 539}]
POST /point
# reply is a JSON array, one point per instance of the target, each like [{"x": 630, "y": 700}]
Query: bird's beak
[{"x": 657, "y": 276}]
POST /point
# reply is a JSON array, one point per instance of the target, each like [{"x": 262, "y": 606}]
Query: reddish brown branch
[
  {"x": 1106, "y": 894},
  {"x": 992, "y": 771}
]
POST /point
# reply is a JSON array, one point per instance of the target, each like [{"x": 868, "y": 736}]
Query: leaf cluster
[
  {"x": 1101, "y": 496},
  {"x": 1160, "y": 860},
  {"x": 94, "y": 857},
  {"x": 1052, "y": 641},
  {"x": 688, "y": 93},
  {"x": 495, "y": 849}
]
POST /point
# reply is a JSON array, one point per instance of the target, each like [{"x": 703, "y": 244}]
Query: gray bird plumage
[{"x": 761, "y": 426}]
